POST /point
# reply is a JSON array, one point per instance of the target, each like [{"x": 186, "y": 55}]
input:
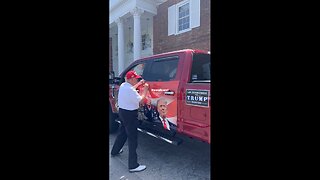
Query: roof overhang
[{"x": 120, "y": 8}]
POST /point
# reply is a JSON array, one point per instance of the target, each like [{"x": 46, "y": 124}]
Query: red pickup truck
[{"x": 179, "y": 91}]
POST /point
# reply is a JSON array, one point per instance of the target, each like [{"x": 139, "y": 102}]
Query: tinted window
[
  {"x": 138, "y": 68},
  {"x": 201, "y": 68},
  {"x": 163, "y": 69}
]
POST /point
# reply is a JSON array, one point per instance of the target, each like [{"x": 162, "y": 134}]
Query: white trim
[
  {"x": 182, "y": 3},
  {"x": 120, "y": 8},
  {"x": 115, "y": 3},
  {"x": 172, "y": 20},
  {"x": 195, "y": 14},
  {"x": 147, "y": 5},
  {"x": 177, "y": 16},
  {"x": 183, "y": 31}
]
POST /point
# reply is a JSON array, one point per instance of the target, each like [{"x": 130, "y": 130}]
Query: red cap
[{"x": 132, "y": 74}]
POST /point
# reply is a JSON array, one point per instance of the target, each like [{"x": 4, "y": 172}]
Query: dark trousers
[{"x": 128, "y": 129}]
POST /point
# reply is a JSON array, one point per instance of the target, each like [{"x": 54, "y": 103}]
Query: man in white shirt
[{"x": 128, "y": 101}]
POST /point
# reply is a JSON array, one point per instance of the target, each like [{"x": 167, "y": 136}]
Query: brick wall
[{"x": 197, "y": 38}]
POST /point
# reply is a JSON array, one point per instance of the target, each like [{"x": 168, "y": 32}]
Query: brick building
[{"x": 159, "y": 25}]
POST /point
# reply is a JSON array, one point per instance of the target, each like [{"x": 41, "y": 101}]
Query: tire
[{"x": 113, "y": 125}]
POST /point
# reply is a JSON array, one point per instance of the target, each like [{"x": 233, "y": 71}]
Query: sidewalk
[{"x": 119, "y": 169}]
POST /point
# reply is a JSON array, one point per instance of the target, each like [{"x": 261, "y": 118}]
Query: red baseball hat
[{"x": 132, "y": 74}]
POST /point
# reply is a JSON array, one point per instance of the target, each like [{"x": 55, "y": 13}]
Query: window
[
  {"x": 138, "y": 68},
  {"x": 164, "y": 69},
  {"x": 201, "y": 68},
  {"x": 184, "y": 17}
]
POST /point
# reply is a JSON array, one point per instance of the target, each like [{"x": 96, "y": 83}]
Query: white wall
[{"x": 114, "y": 54}]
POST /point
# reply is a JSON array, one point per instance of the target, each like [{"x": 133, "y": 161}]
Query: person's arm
[
  {"x": 142, "y": 81},
  {"x": 144, "y": 92}
]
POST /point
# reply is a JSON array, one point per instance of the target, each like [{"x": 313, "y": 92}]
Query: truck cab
[{"x": 179, "y": 92}]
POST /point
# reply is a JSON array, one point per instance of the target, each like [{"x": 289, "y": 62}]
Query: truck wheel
[{"x": 113, "y": 125}]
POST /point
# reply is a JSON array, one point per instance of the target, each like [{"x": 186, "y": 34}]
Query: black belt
[{"x": 128, "y": 110}]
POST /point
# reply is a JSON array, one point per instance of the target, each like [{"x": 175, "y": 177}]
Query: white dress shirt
[
  {"x": 165, "y": 121},
  {"x": 128, "y": 97}
]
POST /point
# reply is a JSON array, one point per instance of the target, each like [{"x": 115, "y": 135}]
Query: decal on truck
[
  {"x": 160, "y": 108},
  {"x": 197, "y": 97}
]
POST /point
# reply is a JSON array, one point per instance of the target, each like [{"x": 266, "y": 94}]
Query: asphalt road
[{"x": 189, "y": 160}]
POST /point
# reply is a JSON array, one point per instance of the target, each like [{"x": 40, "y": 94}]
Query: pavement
[{"x": 164, "y": 161}]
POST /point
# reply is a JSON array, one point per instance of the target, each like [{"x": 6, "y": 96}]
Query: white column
[
  {"x": 120, "y": 45},
  {"x": 136, "y": 12}
]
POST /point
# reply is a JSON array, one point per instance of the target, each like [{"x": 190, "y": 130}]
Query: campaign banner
[
  {"x": 160, "y": 104},
  {"x": 197, "y": 97}
]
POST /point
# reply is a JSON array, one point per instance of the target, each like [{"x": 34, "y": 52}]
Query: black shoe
[{"x": 121, "y": 151}]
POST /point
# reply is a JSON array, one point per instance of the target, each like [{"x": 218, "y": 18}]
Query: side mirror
[
  {"x": 116, "y": 80},
  {"x": 111, "y": 77}
]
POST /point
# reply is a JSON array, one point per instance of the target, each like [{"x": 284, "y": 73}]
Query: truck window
[
  {"x": 201, "y": 68},
  {"x": 163, "y": 69},
  {"x": 138, "y": 68}
]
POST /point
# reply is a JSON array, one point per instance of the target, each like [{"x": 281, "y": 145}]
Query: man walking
[{"x": 128, "y": 101}]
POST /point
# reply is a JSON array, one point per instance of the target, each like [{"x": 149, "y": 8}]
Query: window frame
[
  {"x": 162, "y": 59},
  {"x": 177, "y": 17}
]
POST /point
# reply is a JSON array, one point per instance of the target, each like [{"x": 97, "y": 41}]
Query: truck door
[
  {"x": 196, "y": 97},
  {"x": 161, "y": 102}
]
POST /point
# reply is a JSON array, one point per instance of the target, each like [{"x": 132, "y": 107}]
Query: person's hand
[
  {"x": 142, "y": 81},
  {"x": 146, "y": 86}
]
